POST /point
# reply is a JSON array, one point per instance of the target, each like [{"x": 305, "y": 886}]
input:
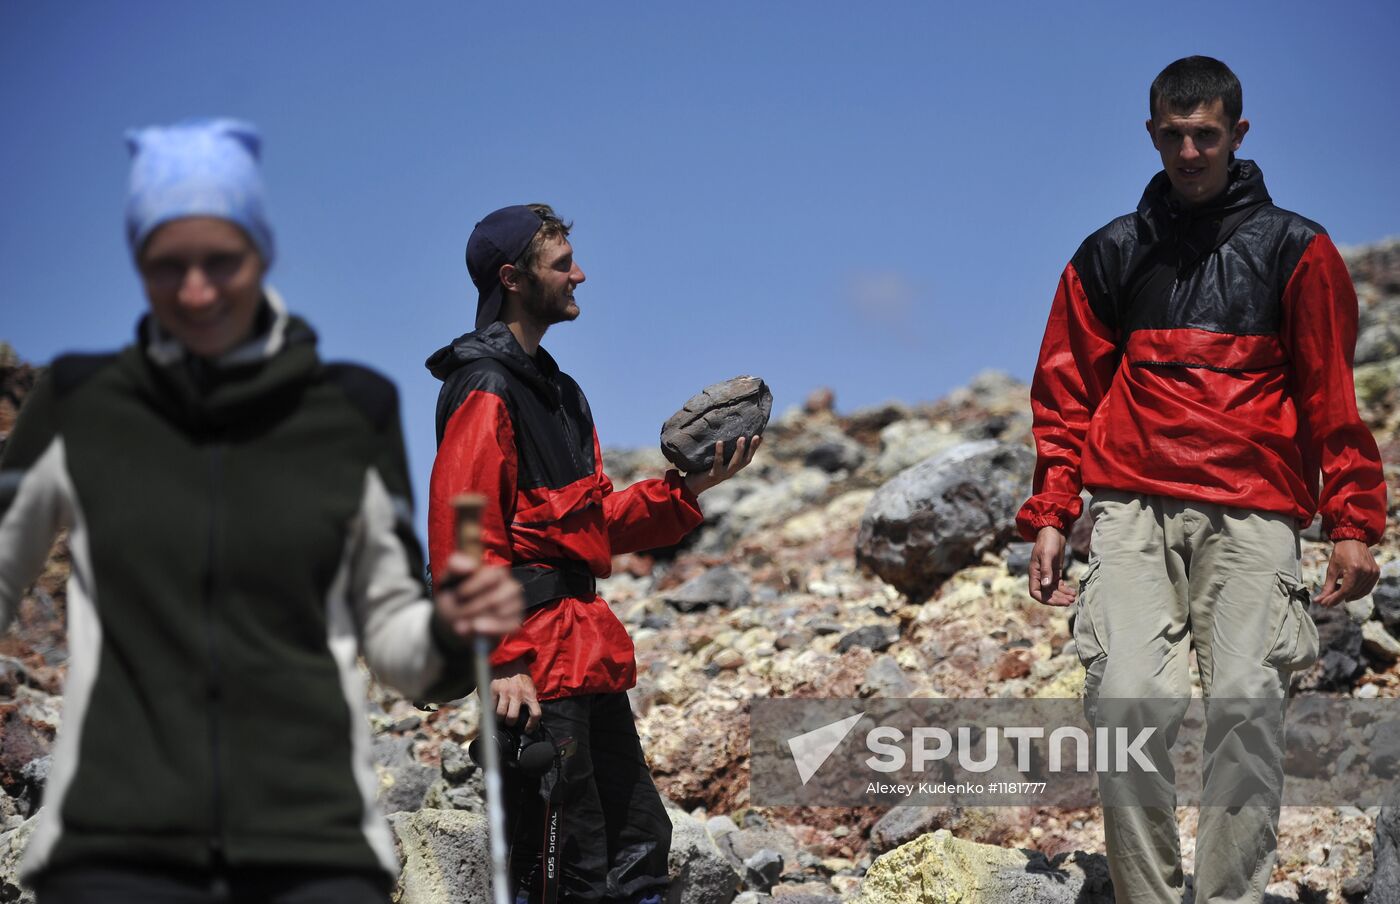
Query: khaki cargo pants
[{"x": 1166, "y": 576}]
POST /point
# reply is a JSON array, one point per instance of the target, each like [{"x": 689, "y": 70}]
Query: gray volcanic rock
[
  {"x": 943, "y": 513},
  {"x": 872, "y": 637},
  {"x": 700, "y": 873},
  {"x": 724, "y": 411},
  {"x": 1339, "y": 642},
  {"x": 1386, "y": 596},
  {"x": 763, "y": 869},
  {"x": 837, "y": 454},
  {"x": 12, "y": 845},
  {"x": 445, "y": 857},
  {"x": 1385, "y": 883},
  {"x": 722, "y": 586}
]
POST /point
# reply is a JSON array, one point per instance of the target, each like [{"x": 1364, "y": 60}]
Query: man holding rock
[
  {"x": 514, "y": 428},
  {"x": 1196, "y": 376}
]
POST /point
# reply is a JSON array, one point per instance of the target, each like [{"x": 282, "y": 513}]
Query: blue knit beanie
[{"x": 196, "y": 168}]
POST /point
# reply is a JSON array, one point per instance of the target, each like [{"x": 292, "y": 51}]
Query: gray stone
[
  {"x": 12, "y": 845},
  {"x": 835, "y": 454},
  {"x": 1385, "y": 750},
  {"x": 903, "y": 824},
  {"x": 1311, "y": 749},
  {"x": 872, "y": 637},
  {"x": 457, "y": 766},
  {"x": 1360, "y": 610},
  {"x": 1339, "y": 640},
  {"x": 1386, "y": 596},
  {"x": 700, "y": 873},
  {"x": 761, "y": 871},
  {"x": 1379, "y": 642},
  {"x": 446, "y": 857},
  {"x": 906, "y": 443},
  {"x": 719, "y": 826},
  {"x": 404, "y": 787},
  {"x": 886, "y": 679},
  {"x": 942, "y": 514},
  {"x": 1018, "y": 558},
  {"x": 1385, "y": 881},
  {"x": 390, "y": 751},
  {"x": 722, "y": 586},
  {"x": 741, "y": 845},
  {"x": 1377, "y": 342},
  {"x": 33, "y": 777},
  {"x": 725, "y": 411}
]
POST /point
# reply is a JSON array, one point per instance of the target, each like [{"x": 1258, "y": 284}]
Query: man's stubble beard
[{"x": 547, "y": 314}]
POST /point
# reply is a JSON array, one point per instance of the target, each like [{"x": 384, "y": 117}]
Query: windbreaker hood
[
  {"x": 1244, "y": 190},
  {"x": 497, "y": 343}
]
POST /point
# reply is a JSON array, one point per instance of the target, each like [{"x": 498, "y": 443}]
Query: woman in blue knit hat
[{"x": 240, "y": 526}]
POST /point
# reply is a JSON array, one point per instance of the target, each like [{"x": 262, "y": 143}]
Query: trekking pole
[{"x": 468, "y": 508}]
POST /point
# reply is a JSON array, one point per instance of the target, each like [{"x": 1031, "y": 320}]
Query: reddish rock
[
  {"x": 820, "y": 401},
  {"x": 1014, "y": 664}
]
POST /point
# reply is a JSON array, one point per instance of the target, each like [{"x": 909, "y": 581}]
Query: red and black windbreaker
[
  {"x": 1206, "y": 353},
  {"x": 519, "y": 431}
]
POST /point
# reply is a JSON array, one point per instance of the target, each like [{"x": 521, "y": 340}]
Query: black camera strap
[{"x": 552, "y": 841}]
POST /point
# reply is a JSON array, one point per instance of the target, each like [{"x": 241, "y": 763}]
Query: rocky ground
[{"x": 866, "y": 554}]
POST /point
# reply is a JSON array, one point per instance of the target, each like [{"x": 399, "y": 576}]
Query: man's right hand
[
  {"x": 1047, "y": 583},
  {"x": 513, "y": 688}
]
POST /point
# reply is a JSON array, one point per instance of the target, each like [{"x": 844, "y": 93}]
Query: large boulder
[
  {"x": 700, "y": 874},
  {"x": 445, "y": 857},
  {"x": 1385, "y": 883},
  {"x": 722, "y": 412},
  {"x": 942, "y": 514},
  {"x": 939, "y": 868}
]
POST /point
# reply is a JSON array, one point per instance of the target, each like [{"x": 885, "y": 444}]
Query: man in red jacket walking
[
  {"x": 1196, "y": 376},
  {"x": 515, "y": 428}
]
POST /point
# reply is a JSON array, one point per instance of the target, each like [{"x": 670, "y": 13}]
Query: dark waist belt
[{"x": 547, "y": 580}]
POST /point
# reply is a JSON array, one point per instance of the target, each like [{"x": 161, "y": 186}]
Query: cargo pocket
[
  {"x": 1295, "y": 643},
  {"x": 1082, "y": 626}
]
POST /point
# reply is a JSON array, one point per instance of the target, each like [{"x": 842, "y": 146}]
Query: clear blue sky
[{"x": 876, "y": 197}]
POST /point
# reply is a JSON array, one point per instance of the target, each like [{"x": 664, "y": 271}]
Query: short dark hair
[
  {"x": 1191, "y": 81},
  {"x": 552, "y": 228}
]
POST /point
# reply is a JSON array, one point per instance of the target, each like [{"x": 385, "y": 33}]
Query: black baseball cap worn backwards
[{"x": 499, "y": 239}]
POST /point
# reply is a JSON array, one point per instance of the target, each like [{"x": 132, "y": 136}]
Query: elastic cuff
[
  {"x": 1351, "y": 532},
  {"x": 1029, "y": 526}
]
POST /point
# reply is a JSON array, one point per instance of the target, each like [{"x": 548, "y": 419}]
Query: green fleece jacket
[{"x": 240, "y": 533}]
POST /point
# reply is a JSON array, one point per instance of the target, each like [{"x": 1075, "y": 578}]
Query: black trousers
[
  {"x": 150, "y": 885},
  {"x": 613, "y": 829}
]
